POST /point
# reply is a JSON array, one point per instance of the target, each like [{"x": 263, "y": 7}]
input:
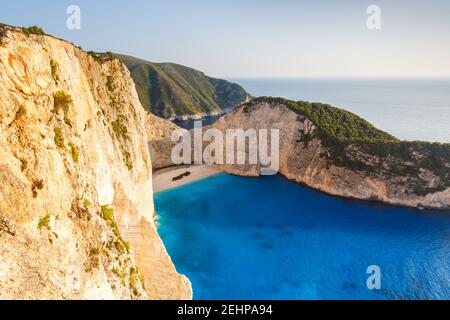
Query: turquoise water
[
  {"x": 268, "y": 238},
  {"x": 410, "y": 109}
]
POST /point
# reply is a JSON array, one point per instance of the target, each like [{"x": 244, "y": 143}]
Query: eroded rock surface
[
  {"x": 402, "y": 173},
  {"x": 76, "y": 198}
]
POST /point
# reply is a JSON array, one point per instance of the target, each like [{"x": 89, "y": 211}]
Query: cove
[{"x": 269, "y": 238}]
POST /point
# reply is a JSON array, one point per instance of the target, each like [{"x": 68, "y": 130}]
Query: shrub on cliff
[
  {"x": 107, "y": 214},
  {"x": 33, "y": 30},
  {"x": 101, "y": 57},
  {"x": 62, "y": 100},
  {"x": 335, "y": 125},
  {"x": 75, "y": 151},
  {"x": 110, "y": 84},
  {"x": 54, "y": 70},
  {"x": 59, "y": 138},
  {"x": 44, "y": 222},
  {"x": 120, "y": 129},
  {"x": 22, "y": 112}
]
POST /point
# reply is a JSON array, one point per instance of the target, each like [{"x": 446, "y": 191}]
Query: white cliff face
[
  {"x": 60, "y": 163},
  {"x": 304, "y": 159},
  {"x": 159, "y": 135}
]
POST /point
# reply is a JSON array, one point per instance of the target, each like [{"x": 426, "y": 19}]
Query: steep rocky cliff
[
  {"x": 76, "y": 202},
  {"x": 159, "y": 134},
  {"x": 339, "y": 153}
]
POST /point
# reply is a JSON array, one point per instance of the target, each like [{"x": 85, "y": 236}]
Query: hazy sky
[{"x": 258, "y": 38}]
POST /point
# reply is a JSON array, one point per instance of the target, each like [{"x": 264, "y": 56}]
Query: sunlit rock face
[
  {"x": 76, "y": 198},
  {"x": 159, "y": 135},
  {"x": 365, "y": 174}
]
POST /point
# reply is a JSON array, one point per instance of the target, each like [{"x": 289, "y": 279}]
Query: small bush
[
  {"x": 59, "y": 138},
  {"x": 101, "y": 57},
  {"x": 38, "y": 184},
  {"x": 62, "y": 100},
  {"x": 110, "y": 84},
  {"x": 94, "y": 55},
  {"x": 142, "y": 279},
  {"x": 127, "y": 159},
  {"x": 87, "y": 203},
  {"x": 127, "y": 246},
  {"x": 94, "y": 252},
  {"x": 107, "y": 213},
  {"x": 44, "y": 222},
  {"x": 22, "y": 112},
  {"x": 33, "y": 30},
  {"x": 119, "y": 246},
  {"x": 94, "y": 259},
  {"x": 135, "y": 277},
  {"x": 116, "y": 272},
  {"x": 120, "y": 129},
  {"x": 54, "y": 70},
  {"x": 67, "y": 121},
  {"x": 75, "y": 151}
]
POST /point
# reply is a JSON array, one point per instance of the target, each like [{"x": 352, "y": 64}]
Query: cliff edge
[
  {"x": 76, "y": 198},
  {"x": 339, "y": 153}
]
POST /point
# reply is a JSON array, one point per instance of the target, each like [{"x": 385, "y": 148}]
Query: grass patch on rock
[
  {"x": 87, "y": 203},
  {"x": 44, "y": 222},
  {"x": 101, "y": 57},
  {"x": 54, "y": 70},
  {"x": 120, "y": 129},
  {"x": 110, "y": 84},
  {"x": 62, "y": 101},
  {"x": 22, "y": 112},
  {"x": 59, "y": 138},
  {"x": 75, "y": 151},
  {"x": 107, "y": 214},
  {"x": 33, "y": 30}
]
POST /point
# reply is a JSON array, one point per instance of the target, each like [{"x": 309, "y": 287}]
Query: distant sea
[{"x": 410, "y": 109}]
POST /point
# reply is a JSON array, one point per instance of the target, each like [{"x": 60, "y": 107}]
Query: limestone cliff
[
  {"x": 76, "y": 202},
  {"x": 159, "y": 133},
  {"x": 329, "y": 154}
]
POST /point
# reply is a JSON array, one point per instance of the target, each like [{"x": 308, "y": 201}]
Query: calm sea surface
[
  {"x": 410, "y": 109},
  {"x": 268, "y": 238}
]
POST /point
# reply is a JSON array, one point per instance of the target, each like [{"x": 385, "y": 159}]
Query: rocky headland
[{"x": 337, "y": 152}]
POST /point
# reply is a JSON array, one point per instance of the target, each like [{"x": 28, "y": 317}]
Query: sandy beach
[{"x": 163, "y": 179}]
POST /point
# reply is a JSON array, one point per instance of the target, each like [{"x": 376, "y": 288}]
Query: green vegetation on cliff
[
  {"x": 33, "y": 30},
  {"x": 356, "y": 144},
  {"x": 168, "y": 89},
  {"x": 101, "y": 57},
  {"x": 415, "y": 158},
  {"x": 335, "y": 125}
]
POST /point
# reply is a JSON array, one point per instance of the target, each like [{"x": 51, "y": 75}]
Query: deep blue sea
[
  {"x": 410, "y": 109},
  {"x": 268, "y": 238}
]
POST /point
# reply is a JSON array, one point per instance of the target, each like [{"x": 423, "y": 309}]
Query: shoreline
[{"x": 163, "y": 179}]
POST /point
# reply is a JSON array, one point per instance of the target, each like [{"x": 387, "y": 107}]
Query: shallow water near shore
[{"x": 269, "y": 238}]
